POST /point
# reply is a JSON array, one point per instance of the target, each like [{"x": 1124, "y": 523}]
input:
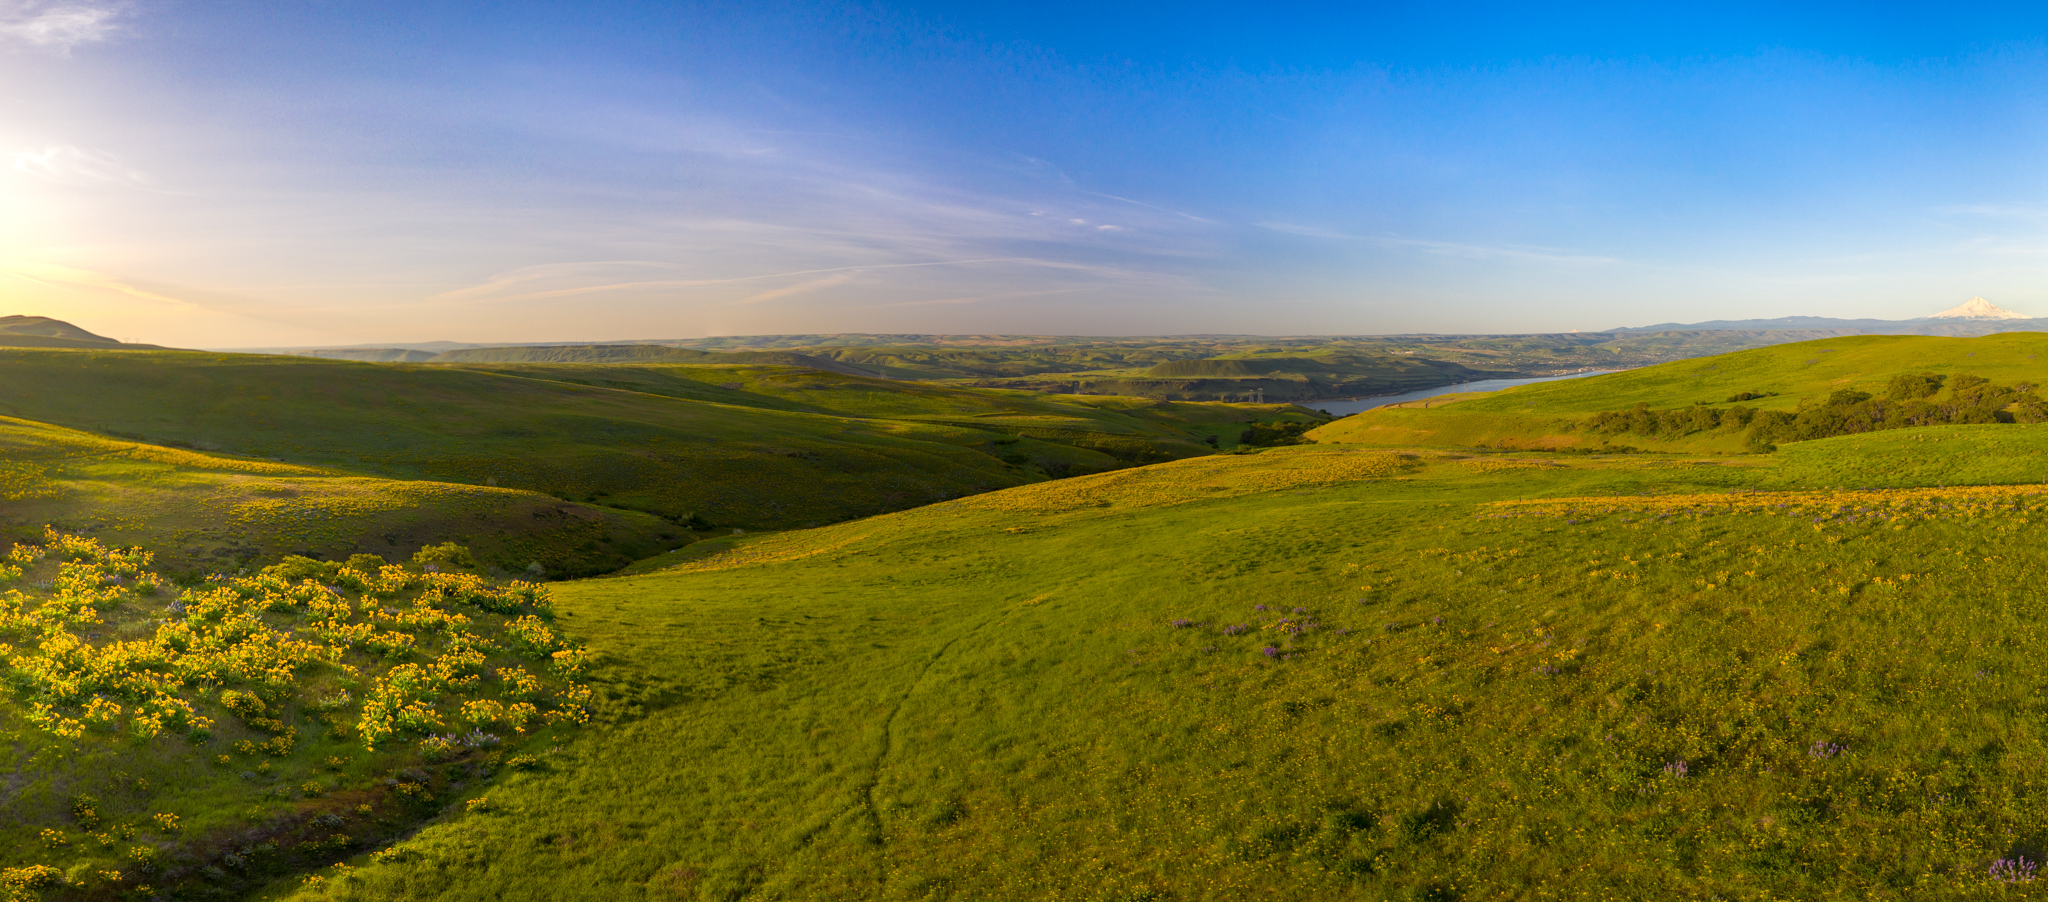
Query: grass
[
  {"x": 695, "y": 452},
  {"x": 1328, "y": 671},
  {"x": 1319, "y": 673},
  {"x": 1931, "y": 456},
  {"x": 203, "y": 512},
  {"x": 1544, "y": 415},
  {"x": 1120, "y": 427}
]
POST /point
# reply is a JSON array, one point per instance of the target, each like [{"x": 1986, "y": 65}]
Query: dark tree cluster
[
  {"x": 1266, "y": 435},
  {"x": 1909, "y": 400}
]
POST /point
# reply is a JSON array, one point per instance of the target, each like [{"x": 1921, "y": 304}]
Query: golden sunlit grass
[
  {"x": 1202, "y": 478},
  {"x": 1392, "y": 686},
  {"x": 213, "y": 511}
]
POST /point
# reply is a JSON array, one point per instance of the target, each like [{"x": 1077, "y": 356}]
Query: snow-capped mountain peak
[{"x": 1978, "y": 308}]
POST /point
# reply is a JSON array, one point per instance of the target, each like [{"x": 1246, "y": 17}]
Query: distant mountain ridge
[{"x": 1976, "y": 316}]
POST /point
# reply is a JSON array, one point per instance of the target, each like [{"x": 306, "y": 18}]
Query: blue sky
[{"x": 286, "y": 173}]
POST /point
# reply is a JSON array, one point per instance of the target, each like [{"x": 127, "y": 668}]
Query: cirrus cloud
[
  {"x": 65, "y": 163},
  {"x": 58, "y": 27}
]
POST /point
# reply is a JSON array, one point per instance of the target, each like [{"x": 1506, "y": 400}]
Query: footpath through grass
[{"x": 1315, "y": 672}]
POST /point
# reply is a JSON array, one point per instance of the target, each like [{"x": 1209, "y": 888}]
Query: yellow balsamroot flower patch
[{"x": 400, "y": 652}]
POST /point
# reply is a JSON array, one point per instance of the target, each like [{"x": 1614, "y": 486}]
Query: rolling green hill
[
  {"x": 1550, "y": 415},
  {"x": 669, "y": 442},
  {"x": 1131, "y": 429},
  {"x": 637, "y": 354},
  {"x": 1330, "y": 671},
  {"x": 203, "y": 511},
  {"x": 44, "y": 332},
  {"x": 1314, "y": 672}
]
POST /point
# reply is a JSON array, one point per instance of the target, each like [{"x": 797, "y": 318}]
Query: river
[{"x": 1354, "y": 405}]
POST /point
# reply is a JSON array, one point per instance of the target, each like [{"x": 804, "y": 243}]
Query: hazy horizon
[{"x": 249, "y": 175}]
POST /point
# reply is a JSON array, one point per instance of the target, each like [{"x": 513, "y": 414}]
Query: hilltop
[{"x": 44, "y": 332}]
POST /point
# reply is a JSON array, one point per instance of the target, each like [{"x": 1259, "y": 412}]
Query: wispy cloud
[
  {"x": 1446, "y": 248},
  {"x": 1006, "y": 295},
  {"x": 801, "y": 287},
  {"x": 76, "y": 165},
  {"x": 1048, "y": 170},
  {"x": 55, "y": 276},
  {"x": 57, "y": 27},
  {"x": 600, "y": 277}
]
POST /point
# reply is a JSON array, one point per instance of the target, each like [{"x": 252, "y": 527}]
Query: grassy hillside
[
  {"x": 202, "y": 511},
  {"x": 1545, "y": 415},
  {"x": 1132, "y": 429},
  {"x": 1934, "y": 456},
  {"x": 637, "y": 354},
  {"x": 1315, "y": 672},
  {"x": 44, "y": 332},
  {"x": 689, "y": 458},
  {"x": 1327, "y": 671},
  {"x": 1170, "y": 370},
  {"x": 1278, "y": 374}
]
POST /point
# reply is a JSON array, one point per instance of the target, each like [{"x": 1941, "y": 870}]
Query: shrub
[
  {"x": 86, "y": 811},
  {"x": 446, "y": 553},
  {"x": 296, "y": 568},
  {"x": 1266, "y": 435}
]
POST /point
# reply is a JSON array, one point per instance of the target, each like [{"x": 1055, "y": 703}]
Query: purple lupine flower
[
  {"x": 1182, "y": 623},
  {"x": 1677, "y": 768},
  {"x": 1824, "y": 749},
  {"x": 2017, "y": 869},
  {"x": 1235, "y": 629},
  {"x": 1272, "y": 652},
  {"x": 1258, "y": 607}
]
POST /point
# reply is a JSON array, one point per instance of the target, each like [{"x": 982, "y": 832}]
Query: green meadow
[
  {"x": 1361, "y": 668},
  {"x": 204, "y": 511},
  {"x": 1551, "y": 415},
  {"x": 1312, "y": 672},
  {"x": 766, "y": 448}
]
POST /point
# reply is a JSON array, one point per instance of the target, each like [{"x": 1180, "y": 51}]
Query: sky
[{"x": 307, "y": 172}]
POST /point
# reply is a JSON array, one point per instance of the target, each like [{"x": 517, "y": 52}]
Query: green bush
[{"x": 446, "y": 554}]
